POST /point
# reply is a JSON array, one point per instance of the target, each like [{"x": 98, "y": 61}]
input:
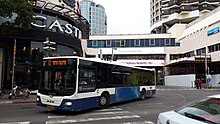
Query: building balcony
[
  {"x": 185, "y": 9},
  {"x": 164, "y": 1},
  {"x": 165, "y": 13},
  {"x": 206, "y": 7},
  {"x": 209, "y": 2},
  {"x": 190, "y": 2}
]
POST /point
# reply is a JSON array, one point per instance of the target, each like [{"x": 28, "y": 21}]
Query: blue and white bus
[{"x": 73, "y": 83}]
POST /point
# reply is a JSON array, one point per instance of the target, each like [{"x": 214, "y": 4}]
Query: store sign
[
  {"x": 213, "y": 31},
  {"x": 67, "y": 28}
]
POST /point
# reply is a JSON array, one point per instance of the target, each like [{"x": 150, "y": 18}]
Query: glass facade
[
  {"x": 162, "y": 42},
  {"x": 96, "y": 16}
]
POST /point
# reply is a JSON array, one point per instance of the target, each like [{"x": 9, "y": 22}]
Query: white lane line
[
  {"x": 101, "y": 113},
  {"x": 90, "y": 119},
  {"x": 110, "y": 113},
  {"x": 51, "y": 117},
  {"x": 25, "y": 122},
  {"x": 113, "y": 109},
  {"x": 140, "y": 122}
]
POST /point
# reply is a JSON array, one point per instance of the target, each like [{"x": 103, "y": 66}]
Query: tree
[{"x": 15, "y": 13}]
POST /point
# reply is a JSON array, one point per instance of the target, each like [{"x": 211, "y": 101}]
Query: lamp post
[
  {"x": 49, "y": 45},
  {"x": 207, "y": 76},
  {"x": 113, "y": 48}
]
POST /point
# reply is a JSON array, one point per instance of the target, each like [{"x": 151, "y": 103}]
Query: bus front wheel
[{"x": 104, "y": 101}]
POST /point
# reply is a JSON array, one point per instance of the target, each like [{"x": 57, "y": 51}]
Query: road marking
[
  {"x": 140, "y": 122},
  {"x": 113, "y": 109},
  {"x": 102, "y": 113},
  {"x": 90, "y": 119},
  {"x": 25, "y": 122},
  {"x": 109, "y": 113},
  {"x": 52, "y": 117}
]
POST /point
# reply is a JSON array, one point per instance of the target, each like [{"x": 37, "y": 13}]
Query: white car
[{"x": 204, "y": 111}]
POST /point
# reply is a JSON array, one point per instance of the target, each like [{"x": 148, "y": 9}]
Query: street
[{"x": 133, "y": 112}]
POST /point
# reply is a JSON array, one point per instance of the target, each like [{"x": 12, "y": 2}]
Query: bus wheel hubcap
[{"x": 103, "y": 101}]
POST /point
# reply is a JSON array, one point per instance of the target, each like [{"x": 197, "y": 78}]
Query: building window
[
  {"x": 108, "y": 43},
  {"x": 94, "y": 43},
  {"x": 167, "y": 42},
  {"x": 146, "y": 42},
  {"x": 201, "y": 51},
  {"x": 122, "y": 42},
  {"x": 152, "y": 42},
  {"x": 117, "y": 43},
  {"x": 137, "y": 42}
]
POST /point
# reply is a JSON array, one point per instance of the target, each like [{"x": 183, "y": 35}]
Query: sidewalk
[{"x": 17, "y": 100}]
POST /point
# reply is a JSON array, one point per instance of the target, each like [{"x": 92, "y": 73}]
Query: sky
[{"x": 127, "y": 16}]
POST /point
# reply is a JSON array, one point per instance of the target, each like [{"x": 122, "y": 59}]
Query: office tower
[{"x": 96, "y": 16}]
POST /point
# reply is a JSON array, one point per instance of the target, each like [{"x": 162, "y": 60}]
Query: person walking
[
  {"x": 200, "y": 84},
  {"x": 197, "y": 83}
]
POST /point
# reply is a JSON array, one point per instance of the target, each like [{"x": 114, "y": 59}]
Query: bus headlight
[
  {"x": 38, "y": 99},
  {"x": 68, "y": 103}
]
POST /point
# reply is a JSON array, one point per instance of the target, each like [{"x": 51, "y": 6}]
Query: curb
[
  {"x": 23, "y": 101},
  {"x": 5, "y": 102},
  {"x": 17, "y": 101}
]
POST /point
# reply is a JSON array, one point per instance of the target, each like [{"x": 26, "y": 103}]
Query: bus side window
[{"x": 87, "y": 80}]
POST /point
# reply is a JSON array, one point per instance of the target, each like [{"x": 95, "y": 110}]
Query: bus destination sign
[{"x": 56, "y": 62}]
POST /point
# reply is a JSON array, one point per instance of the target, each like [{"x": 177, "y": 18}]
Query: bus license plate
[{"x": 50, "y": 106}]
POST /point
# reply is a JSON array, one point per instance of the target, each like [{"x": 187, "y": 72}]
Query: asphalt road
[{"x": 133, "y": 112}]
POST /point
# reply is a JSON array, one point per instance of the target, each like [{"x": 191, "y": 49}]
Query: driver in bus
[{"x": 58, "y": 83}]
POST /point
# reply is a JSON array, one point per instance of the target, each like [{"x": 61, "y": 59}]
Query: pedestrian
[
  {"x": 200, "y": 84},
  {"x": 197, "y": 83}
]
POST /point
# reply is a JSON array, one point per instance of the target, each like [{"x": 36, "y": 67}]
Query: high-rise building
[
  {"x": 96, "y": 16},
  {"x": 166, "y": 13}
]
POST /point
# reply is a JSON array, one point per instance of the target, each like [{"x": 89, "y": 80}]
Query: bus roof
[{"x": 98, "y": 60}]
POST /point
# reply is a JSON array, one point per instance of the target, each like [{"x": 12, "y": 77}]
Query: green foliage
[{"x": 19, "y": 13}]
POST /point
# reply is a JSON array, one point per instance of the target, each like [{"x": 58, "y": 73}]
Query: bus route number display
[{"x": 60, "y": 62}]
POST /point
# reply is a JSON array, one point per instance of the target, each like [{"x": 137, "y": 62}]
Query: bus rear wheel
[{"x": 104, "y": 101}]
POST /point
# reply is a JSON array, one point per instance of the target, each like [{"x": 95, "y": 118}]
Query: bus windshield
[{"x": 58, "y": 80}]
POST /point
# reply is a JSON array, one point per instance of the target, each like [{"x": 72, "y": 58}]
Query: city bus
[{"x": 74, "y": 83}]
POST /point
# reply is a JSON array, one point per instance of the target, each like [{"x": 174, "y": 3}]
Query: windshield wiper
[{"x": 198, "y": 117}]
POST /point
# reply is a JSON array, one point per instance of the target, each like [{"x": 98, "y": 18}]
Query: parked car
[{"x": 204, "y": 111}]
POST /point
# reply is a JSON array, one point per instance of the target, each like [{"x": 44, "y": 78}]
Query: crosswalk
[
  {"x": 113, "y": 115},
  {"x": 118, "y": 115}
]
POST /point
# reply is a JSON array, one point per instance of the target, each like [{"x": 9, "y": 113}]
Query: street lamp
[
  {"x": 49, "y": 45},
  {"x": 113, "y": 48},
  {"x": 207, "y": 76}
]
